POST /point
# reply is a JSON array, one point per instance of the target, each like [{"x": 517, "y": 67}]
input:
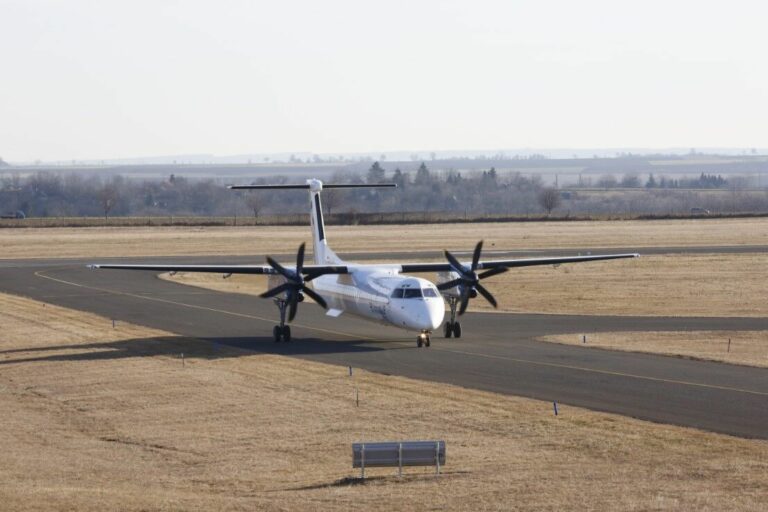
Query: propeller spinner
[
  {"x": 295, "y": 284},
  {"x": 469, "y": 280}
]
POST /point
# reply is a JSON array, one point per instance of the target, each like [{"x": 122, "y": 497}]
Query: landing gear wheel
[
  {"x": 276, "y": 333},
  {"x": 448, "y": 330},
  {"x": 457, "y": 330},
  {"x": 286, "y": 333},
  {"x": 419, "y": 342},
  {"x": 427, "y": 341}
]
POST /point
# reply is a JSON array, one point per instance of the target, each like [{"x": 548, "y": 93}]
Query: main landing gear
[
  {"x": 281, "y": 332},
  {"x": 452, "y": 327},
  {"x": 423, "y": 339}
]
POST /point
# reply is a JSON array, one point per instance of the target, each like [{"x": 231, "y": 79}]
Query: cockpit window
[
  {"x": 412, "y": 293},
  {"x": 429, "y": 292},
  {"x": 397, "y": 293}
]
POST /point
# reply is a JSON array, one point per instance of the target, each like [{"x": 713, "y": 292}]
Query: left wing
[
  {"x": 309, "y": 270},
  {"x": 521, "y": 262}
]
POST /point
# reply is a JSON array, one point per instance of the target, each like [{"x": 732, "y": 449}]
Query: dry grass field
[
  {"x": 170, "y": 241},
  {"x": 746, "y": 347},
  {"x": 96, "y": 418}
]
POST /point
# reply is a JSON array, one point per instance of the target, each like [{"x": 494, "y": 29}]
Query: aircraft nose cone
[{"x": 430, "y": 316}]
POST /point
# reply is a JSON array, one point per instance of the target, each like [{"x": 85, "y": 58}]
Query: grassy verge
[
  {"x": 97, "y": 418},
  {"x": 737, "y": 347}
]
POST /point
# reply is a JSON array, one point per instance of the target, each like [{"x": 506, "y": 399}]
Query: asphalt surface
[{"x": 497, "y": 352}]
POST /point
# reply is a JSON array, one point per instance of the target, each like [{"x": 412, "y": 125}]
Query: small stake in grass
[
  {"x": 729, "y": 344},
  {"x": 584, "y": 339},
  {"x": 183, "y": 362},
  {"x": 357, "y": 397},
  {"x": 350, "y": 371},
  {"x": 554, "y": 404},
  {"x": 113, "y": 323}
]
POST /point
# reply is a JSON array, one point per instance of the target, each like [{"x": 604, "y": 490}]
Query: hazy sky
[{"x": 102, "y": 79}]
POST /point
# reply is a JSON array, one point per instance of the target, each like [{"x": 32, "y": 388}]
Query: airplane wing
[
  {"x": 310, "y": 270},
  {"x": 520, "y": 262}
]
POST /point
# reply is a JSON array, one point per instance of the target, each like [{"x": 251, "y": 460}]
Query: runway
[{"x": 497, "y": 352}]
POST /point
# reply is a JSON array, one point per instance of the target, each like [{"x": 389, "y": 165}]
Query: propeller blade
[
  {"x": 275, "y": 291},
  {"x": 293, "y": 306},
  {"x": 300, "y": 258},
  {"x": 458, "y": 267},
  {"x": 485, "y": 293},
  {"x": 464, "y": 301},
  {"x": 275, "y": 265},
  {"x": 316, "y": 297},
  {"x": 493, "y": 272},
  {"x": 450, "y": 284},
  {"x": 476, "y": 255}
]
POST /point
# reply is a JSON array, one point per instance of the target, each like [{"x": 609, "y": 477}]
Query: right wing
[{"x": 520, "y": 262}]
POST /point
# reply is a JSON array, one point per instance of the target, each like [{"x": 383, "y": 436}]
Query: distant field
[
  {"x": 201, "y": 241},
  {"x": 96, "y": 418}
]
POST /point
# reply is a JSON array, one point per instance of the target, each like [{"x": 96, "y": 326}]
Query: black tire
[
  {"x": 427, "y": 342},
  {"x": 419, "y": 342},
  {"x": 276, "y": 333},
  {"x": 286, "y": 333},
  {"x": 448, "y": 329},
  {"x": 457, "y": 330}
]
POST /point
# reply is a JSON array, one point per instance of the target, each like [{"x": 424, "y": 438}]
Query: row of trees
[
  {"x": 704, "y": 181},
  {"x": 480, "y": 193}
]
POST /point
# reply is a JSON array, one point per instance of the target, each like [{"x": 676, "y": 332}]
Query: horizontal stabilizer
[{"x": 307, "y": 186}]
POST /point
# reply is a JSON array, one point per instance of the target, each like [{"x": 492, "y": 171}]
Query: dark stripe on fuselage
[{"x": 319, "y": 218}]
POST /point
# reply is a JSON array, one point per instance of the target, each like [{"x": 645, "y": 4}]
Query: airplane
[{"x": 379, "y": 292}]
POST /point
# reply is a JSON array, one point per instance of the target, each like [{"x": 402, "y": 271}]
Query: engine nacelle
[
  {"x": 444, "y": 277},
  {"x": 275, "y": 280}
]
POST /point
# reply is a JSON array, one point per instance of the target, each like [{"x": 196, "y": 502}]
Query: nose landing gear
[{"x": 423, "y": 339}]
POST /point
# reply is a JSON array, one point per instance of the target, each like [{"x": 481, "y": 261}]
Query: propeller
[
  {"x": 469, "y": 280},
  {"x": 295, "y": 284}
]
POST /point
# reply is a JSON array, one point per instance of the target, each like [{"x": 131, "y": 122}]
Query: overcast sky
[{"x": 106, "y": 79}]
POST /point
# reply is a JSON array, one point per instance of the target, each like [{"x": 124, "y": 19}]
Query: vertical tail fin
[{"x": 323, "y": 254}]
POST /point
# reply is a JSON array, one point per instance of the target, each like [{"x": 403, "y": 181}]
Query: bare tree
[
  {"x": 607, "y": 181},
  {"x": 331, "y": 199},
  {"x": 254, "y": 203},
  {"x": 549, "y": 199},
  {"x": 108, "y": 198}
]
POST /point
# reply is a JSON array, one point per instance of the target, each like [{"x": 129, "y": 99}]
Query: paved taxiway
[{"x": 497, "y": 353}]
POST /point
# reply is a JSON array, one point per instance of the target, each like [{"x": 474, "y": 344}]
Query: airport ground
[{"x": 112, "y": 418}]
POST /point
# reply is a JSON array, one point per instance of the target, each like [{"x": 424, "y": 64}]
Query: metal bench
[{"x": 398, "y": 454}]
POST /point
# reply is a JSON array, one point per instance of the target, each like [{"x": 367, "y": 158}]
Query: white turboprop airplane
[{"x": 376, "y": 292}]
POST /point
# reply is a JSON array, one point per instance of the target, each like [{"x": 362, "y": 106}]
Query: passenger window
[
  {"x": 429, "y": 292},
  {"x": 397, "y": 293},
  {"x": 412, "y": 293}
]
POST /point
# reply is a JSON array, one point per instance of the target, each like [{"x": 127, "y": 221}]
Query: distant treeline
[
  {"x": 632, "y": 180},
  {"x": 49, "y": 194}
]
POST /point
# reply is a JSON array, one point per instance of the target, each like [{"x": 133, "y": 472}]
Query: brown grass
[
  {"x": 746, "y": 347},
  {"x": 170, "y": 241},
  {"x": 96, "y": 418},
  {"x": 656, "y": 285}
]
